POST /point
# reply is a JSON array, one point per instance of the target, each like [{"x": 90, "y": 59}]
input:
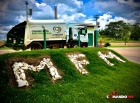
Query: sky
[{"x": 13, "y": 12}]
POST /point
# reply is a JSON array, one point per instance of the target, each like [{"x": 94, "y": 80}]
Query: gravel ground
[{"x": 132, "y": 54}]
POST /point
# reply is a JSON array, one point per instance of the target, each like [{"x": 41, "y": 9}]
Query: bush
[{"x": 107, "y": 44}]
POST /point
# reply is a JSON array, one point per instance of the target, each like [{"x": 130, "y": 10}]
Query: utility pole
[
  {"x": 96, "y": 17},
  {"x": 26, "y": 11},
  {"x": 55, "y": 12}
]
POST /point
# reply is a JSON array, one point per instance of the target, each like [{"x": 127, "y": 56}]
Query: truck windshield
[{"x": 83, "y": 31}]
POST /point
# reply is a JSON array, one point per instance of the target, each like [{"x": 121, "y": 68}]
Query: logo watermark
[{"x": 115, "y": 95}]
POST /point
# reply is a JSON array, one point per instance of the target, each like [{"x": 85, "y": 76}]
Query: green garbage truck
[{"x": 29, "y": 34}]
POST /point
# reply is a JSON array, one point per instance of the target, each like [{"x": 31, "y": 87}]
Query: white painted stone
[
  {"x": 81, "y": 55},
  {"x": 17, "y": 76},
  {"x": 34, "y": 68},
  {"x": 20, "y": 64},
  {"x": 25, "y": 68},
  {"x": 39, "y": 69},
  {"x": 25, "y": 64},
  {"x": 53, "y": 78},
  {"x": 22, "y": 83},
  {"x": 21, "y": 71},
  {"x": 109, "y": 55},
  {"x": 56, "y": 73},
  {"x": 83, "y": 71},
  {"x": 57, "y": 77},
  {"x": 23, "y": 76},
  {"x": 15, "y": 69},
  {"x": 52, "y": 73},
  {"x": 42, "y": 63},
  {"x": 19, "y": 67},
  {"x": 78, "y": 64},
  {"x": 44, "y": 59},
  {"x": 52, "y": 69}
]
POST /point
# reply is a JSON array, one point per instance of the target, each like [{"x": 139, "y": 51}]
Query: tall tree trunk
[{"x": 125, "y": 43}]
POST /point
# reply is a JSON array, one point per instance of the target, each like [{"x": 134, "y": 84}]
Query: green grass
[
  {"x": 5, "y": 48},
  {"x": 101, "y": 80}
]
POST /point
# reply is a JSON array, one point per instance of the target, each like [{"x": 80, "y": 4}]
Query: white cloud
[
  {"x": 44, "y": 11},
  {"x": 77, "y": 17},
  {"x": 3, "y": 31},
  {"x": 69, "y": 14},
  {"x": 71, "y": 3},
  {"x": 68, "y": 18},
  {"x": 118, "y": 9},
  {"x": 33, "y": 1},
  {"x": 90, "y": 20},
  {"x": 110, "y": 6},
  {"x": 20, "y": 18},
  {"x": 131, "y": 21},
  {"x": 78, "y": 3},
  {"x": 7, "y": 27},
  {"x": 107, "y": 18},
  {"x": 66, "y": 9},
  {"x": 40, "y": 6},
  {"x": 104, "y": 20}
]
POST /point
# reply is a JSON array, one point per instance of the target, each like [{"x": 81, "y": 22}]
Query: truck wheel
[
  {"x": 36, "y": 46},
  {"x": 84, "y": 45},
  {"x": 74, "y": 46}
]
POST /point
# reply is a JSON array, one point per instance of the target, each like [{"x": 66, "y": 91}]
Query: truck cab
[{"x": 78, "y": 34}]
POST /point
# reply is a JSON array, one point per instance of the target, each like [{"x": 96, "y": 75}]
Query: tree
[
  {"x": 103, "y": 32},
  {"x": 114, "y": 29},
  {"x": 125, "y": 32},
  {"x": 135, "y": 33}
]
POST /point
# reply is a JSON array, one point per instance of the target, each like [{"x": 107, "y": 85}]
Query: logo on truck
[{"x": 57, "y": 29}]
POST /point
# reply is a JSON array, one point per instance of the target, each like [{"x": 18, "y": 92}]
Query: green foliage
[
  {"x": 113, "y": 29},
  {"x": 125, "y": 32},
  {"x": 101, "y": 80},
  {"x": 135, "y": 34},
  {"x": 121, "y": 30}
]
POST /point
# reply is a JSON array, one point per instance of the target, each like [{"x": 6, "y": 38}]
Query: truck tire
[
  {"x": 74, "y": 45},
  {"x": 36, "y": 46},
  {"x": 84, "y": 45}
]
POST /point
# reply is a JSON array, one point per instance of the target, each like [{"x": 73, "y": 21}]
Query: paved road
[
  {"x": 132, "y": 54},
  {"x": 7, "y": 51}
]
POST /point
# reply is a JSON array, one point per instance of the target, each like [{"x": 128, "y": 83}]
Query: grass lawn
[{"x": 74, "y": 87}]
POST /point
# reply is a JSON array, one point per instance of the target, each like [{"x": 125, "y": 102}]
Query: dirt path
[{"x": 132, "y": 54}]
